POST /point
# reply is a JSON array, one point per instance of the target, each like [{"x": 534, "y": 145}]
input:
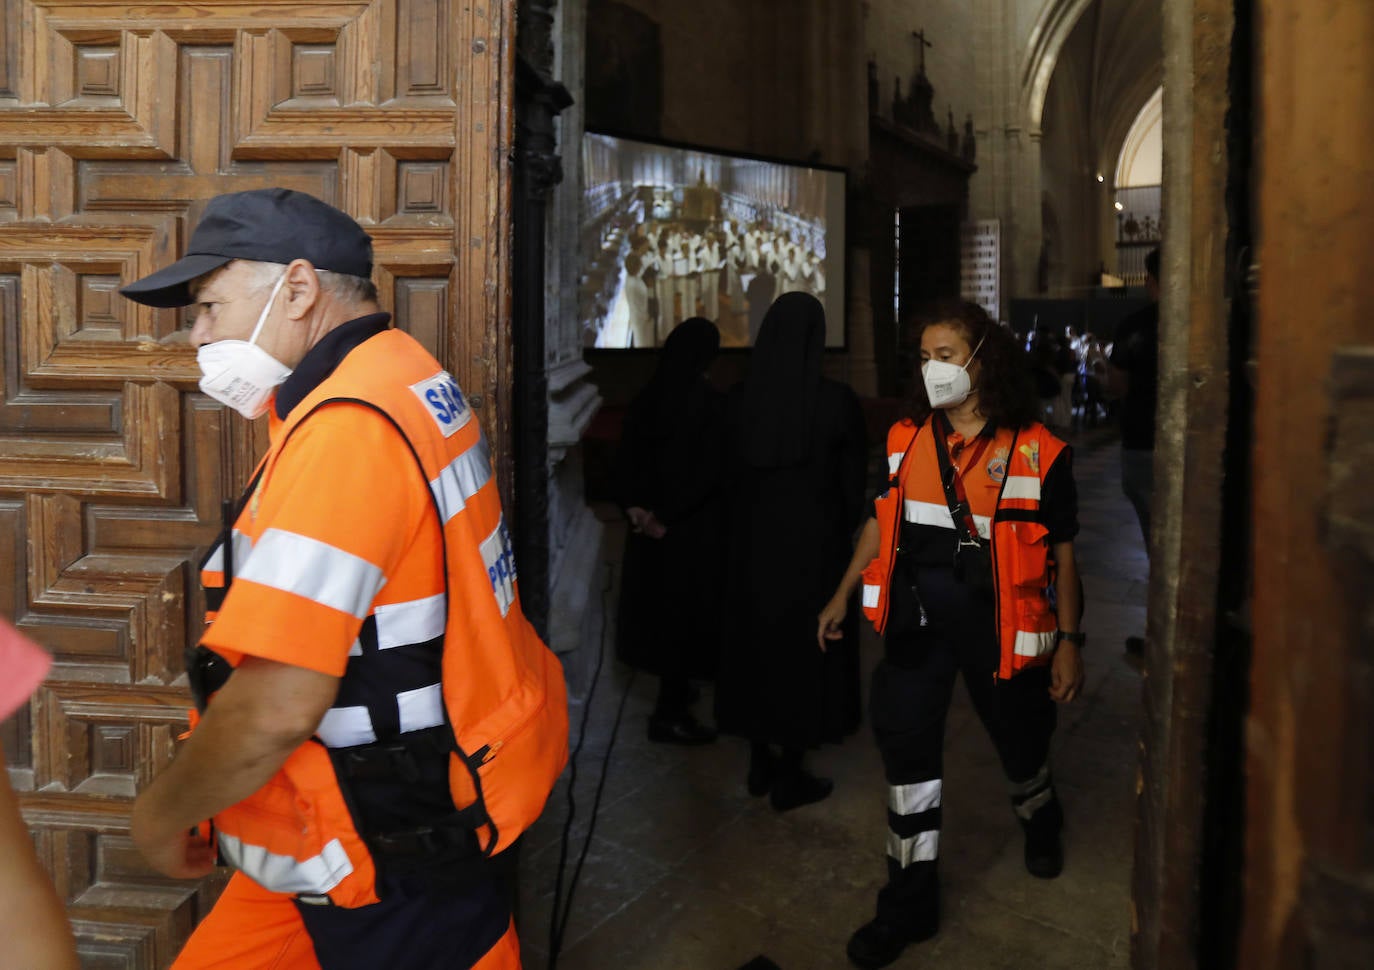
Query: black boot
[
  {"x": 762, "y": 767},
  {"x": 679, "y": 729},
  {"x": 672, "y": 721},
  {"x": 793, "y": 786},
  {"x": 1044, "y": 844},
  {"x": 878, "y": 943}
]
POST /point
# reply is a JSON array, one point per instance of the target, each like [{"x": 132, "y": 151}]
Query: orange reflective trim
[
  {"x": 313, "y": 569},
  {"x": 276, "y": 625},
  {"x": 317, "y": 875},
  {"x": 1026, "y": 624},
  {"x": 295, "y": 834}
]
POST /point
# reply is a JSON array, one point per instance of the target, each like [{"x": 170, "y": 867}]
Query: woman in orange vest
[{"x": 966, "y": 567}]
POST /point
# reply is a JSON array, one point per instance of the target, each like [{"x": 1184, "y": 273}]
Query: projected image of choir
[
  {"x": 725, "y": 274},
  {"x": 671, "y": 234}
]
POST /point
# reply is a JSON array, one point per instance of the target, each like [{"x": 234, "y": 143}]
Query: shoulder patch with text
[
  {"x": 446, "y": 404},
  {"x": 499, "y": 558}
]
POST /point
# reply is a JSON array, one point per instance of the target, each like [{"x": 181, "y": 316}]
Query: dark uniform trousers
[{"x": 910, "y": 698}]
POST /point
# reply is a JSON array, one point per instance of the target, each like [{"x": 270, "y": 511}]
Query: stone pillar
[
  {"x": 574, "y": 532},
  {"x": 538, "y": 99},
  {"x": 1007, "y": 184},
  {"x": 863, "y": 367},
  {"x": 838, "y": 49},
  {"x": 1022, "y": 220}
]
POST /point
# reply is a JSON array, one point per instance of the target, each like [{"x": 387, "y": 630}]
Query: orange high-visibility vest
[
  {"x": 1022, "y": 568},
  {"x": 443, "y": 640}
]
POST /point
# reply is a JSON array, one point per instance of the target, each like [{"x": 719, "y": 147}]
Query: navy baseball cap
[{"x": 264, "y": 225}]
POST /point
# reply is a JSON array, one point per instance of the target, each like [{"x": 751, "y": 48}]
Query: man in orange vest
[{"x": 377, "y": 718}]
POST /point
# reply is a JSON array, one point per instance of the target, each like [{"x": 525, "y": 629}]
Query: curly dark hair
[{"x": 1006, "y": 395}]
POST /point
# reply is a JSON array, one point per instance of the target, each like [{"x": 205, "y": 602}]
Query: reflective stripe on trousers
[{"x": 914, "y": 821}]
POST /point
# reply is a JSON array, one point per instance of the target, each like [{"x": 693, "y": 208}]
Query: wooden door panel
[{"x": 117, "y": 124}]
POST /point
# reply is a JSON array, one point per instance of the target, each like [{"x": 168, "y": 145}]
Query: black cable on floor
[
  {"x": 596, "y": 806},
  {"x": 557, "y": 926}
]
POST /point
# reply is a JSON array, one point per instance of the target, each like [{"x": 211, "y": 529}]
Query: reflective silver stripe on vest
[
  {"x": 461, "y": 479},
  {"x": 284, "y": 874},
  {"x": 315, "y": 570},
  {"x": 931, "y": 513},
  {"x": 921, "y": 847},
  {"x": 243, "y": 547},
  {"x": 421, "y": 708},
  {"x": 345, "y": 727},
  {"x": 1030, "y": 643},
  {"x": 404, "y": 624},
  {"x": 918, "y": 797},
  {"x": 894, "y": 462},
  {"x": 871, "y": 595},
  {"x": 418, "y": 621},
  {"x": 1022, "y": 487}
]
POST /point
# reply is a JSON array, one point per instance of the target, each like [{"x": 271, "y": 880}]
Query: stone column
[
  {"x": 839, "y": 33},
  {"x": 574, "y": 532},
  {"x": 1022, "y": 221},
  {"x": 863, "y": 366}
]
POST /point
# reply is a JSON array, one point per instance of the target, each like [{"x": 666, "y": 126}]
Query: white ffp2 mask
[
  {"x": 947, "y": 385},
  {"x": 239, "y": 373}
]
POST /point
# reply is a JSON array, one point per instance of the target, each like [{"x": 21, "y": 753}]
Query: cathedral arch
[{"x": 1047, "y": 38}]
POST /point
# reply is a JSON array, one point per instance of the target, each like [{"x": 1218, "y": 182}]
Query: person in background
[
  {"x": 759, "y": 295},
  {"x": 637, "y": 302},
  {"x": 1133, "y": 379},
  {"x": 1094, "y": 379},
  {"x": 668, "y": 479},
  {"x": 665, "y": 287},
  {"x": 32, "y": 924},
  {"x": 687, "y": 279},
  {"x": 734, "y": 262},
  {"x": 709, "y": 259},
  {"x": 1044, "y": 367},
  {"x": 648, "y": 274},
  {"x": 1066, "y": 363},
  {"x": 967, "y": 568},
  {"x": 795, "y": 482}
]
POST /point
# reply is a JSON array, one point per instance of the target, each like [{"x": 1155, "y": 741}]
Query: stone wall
[{"x": 951, "y": 59}]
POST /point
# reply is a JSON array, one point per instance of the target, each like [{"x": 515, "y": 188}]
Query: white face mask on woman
[
  {"x": 241, "y": 374},
  {"x": 948, "y": 385}
]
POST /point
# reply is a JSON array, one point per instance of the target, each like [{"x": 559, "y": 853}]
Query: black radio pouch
[{"x": 972, "y": 553}]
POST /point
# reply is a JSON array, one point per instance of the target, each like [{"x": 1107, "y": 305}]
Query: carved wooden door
[{"x": 117, "y": 123}]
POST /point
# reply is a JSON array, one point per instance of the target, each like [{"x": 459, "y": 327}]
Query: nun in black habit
[
  {"x": 668, "y": 479},
  {"x": 796, "y": 484}
]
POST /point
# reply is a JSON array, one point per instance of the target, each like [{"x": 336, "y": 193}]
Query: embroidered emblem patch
[
  {"x": 1032, "y": 454},
  {"x": 997, "y": 467}
]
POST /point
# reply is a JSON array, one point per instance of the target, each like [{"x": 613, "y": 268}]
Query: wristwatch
[{"x": 1077, "y": 639}]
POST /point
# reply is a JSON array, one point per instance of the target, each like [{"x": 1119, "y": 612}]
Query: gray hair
[{"x": 345, "y": 289}]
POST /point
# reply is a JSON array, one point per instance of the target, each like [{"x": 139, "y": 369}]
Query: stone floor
[{"x": 687, "y": 872}]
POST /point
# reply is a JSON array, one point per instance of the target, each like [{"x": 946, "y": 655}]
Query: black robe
[
  {"x": 796, "y": 481},
  {"x": 670, "y": 463}
]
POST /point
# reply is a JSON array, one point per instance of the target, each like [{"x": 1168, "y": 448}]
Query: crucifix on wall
[{"x": 922, "y": 44}]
